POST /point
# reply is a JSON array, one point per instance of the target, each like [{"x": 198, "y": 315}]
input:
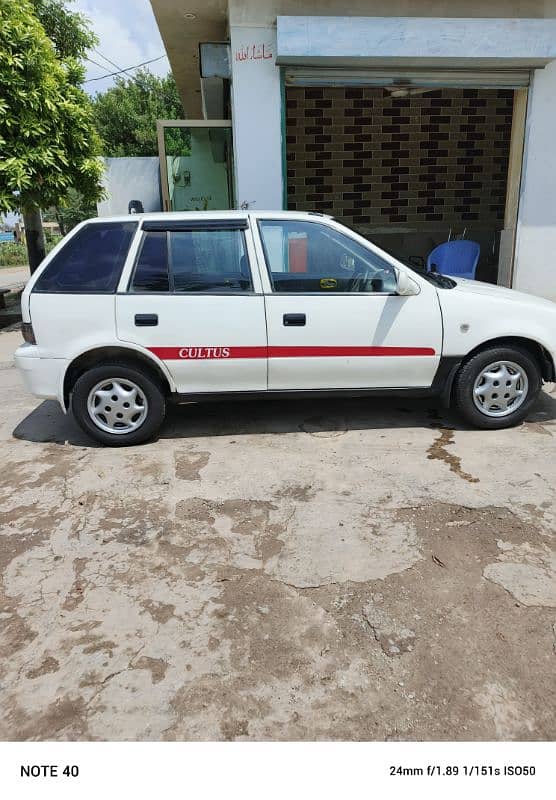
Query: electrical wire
[
  {"x": 127, "y": 69},
  {"x": 112, "y": 63},
  {"x": 101, "y": 66}
]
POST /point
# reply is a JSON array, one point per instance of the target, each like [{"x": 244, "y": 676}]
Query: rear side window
[
  {"x": 91, "y": 261},
  {"x": 200, "y": 261},
  {"x": 151, "y": 269}
]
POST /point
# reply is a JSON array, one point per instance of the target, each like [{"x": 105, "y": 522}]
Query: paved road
[{"x": 302, "y": 570}]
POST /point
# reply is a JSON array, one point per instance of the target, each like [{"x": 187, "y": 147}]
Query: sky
[{"x": 128, "y": 35}]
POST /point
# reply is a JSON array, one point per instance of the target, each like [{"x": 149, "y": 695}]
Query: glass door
[{"x": 196, "y": 164}]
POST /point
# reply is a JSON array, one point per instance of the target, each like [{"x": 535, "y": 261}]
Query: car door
[
  {"x": 334, "y": 318},
  {"x": 192, "y": 299}
]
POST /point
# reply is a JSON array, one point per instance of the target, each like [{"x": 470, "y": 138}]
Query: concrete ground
[
  {"x": 357, "y": 569},
  {"x": 13, "y": 277}
]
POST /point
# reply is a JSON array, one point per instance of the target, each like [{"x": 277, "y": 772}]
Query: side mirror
[{"x": 406, "y": 286}]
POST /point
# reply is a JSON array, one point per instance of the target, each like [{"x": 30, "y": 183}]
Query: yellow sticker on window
[{"x": 328, "y": 283}]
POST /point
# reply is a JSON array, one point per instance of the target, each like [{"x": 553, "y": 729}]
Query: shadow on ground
[{"x": 47, "y": 423}]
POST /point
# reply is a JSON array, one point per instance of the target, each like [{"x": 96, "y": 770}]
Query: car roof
[{"x": 232, "y": 214}]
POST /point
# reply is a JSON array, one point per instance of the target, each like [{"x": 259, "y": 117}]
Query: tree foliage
[
  {"x": 126, "y": 113},
  {"x": 68, "y": 30},
  {"x": 48, "y": 141},
  {"x": 76, "y": 208}
]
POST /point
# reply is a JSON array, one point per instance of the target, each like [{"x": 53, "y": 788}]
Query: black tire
[
  {"x": 470, "y": 371},
  {"x": 152, "y": 390}
]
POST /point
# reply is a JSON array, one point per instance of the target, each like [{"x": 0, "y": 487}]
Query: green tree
[
  {"x": 68, "y": 30},
  {"x": 76, "y": 208},
  {"x": 48, "y": 141},
  {"x": 126, "y": 113},
  {"x": 71, "y": 37}
]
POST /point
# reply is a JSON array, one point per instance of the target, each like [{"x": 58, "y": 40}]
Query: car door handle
[
  {"x": 146, "y": 320},
  {"x": 290, "y": 320}
]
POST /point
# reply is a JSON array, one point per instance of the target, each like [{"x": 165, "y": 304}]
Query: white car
[{"x": 129, "y": 312}]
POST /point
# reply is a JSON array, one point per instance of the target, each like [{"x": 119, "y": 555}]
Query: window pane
[
  {"x": 91, "y": 261},
  {"x": 209, "y": 261},
  {"x": 199, "y": 167},
  {"x": 311, "y": 257},
  {"x": 151, "y": 271}
]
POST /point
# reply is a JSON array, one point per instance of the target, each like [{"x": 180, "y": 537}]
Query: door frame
[
  {"x": 162, "y": 124},
  {"x": 506, "y": 258}
]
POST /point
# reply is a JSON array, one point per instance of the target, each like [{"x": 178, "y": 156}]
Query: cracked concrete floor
[{"x": 357, "y": 569}]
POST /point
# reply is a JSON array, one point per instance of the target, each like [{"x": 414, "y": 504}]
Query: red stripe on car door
[
  {"x": 197, "y": 353},
  {"x": 339, "y": 352}
]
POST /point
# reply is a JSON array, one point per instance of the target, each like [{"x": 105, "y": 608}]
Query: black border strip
[{"x": 196, "y": 225}]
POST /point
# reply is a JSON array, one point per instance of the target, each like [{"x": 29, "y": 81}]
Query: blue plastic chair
[{"x": 458, "y": 258}]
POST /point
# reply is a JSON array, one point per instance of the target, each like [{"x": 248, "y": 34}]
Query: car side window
[
  {"x": 90, "y": 262},
  {"x": 311, "y": 257},
  {"x": 209, "y": 261},
  {"x": 203, "y": 260},
  {"x": 151, "y": 268}
]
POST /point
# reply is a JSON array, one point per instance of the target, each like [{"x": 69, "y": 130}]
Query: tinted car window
[
  {"x": 151, "y": 269},
  {"x": 192, "y": 261},
  {"x": 311, "y": 257},
  {"x": 91, "y": 261},
  {"x": 209, "y": 261}
]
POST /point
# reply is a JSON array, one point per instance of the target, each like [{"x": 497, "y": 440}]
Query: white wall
[
  {"x": 535, "y": 253},
  {"x": 264, "y": 12},
  {"x": 416, "y": 41},
  {"x": 128, "y": 179},
  {"x": 257, "y": 118}
]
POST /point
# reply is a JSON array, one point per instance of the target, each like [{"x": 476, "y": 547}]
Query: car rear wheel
[
  {"x": 496, "y": 387},
  {"x": 118, "y": 404}
]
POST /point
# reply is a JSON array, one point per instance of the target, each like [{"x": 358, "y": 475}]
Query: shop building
[{"x": 432, "y": 123}]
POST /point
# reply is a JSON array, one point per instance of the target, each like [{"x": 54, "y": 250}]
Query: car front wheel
[
  {"x": 118, "y": 404},
  {"x": 496, "y": 387}
]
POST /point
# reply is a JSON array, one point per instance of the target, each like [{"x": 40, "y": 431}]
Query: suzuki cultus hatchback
[{"x": 127, "y": 313}]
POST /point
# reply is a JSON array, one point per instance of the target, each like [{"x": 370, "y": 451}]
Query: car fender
[
  {"x": 472, "y": 319},
  {"x": 116, "y": 343}
]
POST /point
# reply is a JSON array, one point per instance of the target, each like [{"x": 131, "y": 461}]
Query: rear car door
[
  {"x": 193, "y": 300},
  {"x": 71, "y": 302},
  {"x": 334, "y": 318}
]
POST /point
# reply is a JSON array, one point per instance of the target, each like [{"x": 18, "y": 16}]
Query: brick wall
[{"x": 372, "y": 159}]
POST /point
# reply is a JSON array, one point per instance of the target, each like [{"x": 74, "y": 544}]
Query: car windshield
[{"x": 436, "y": 278}]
